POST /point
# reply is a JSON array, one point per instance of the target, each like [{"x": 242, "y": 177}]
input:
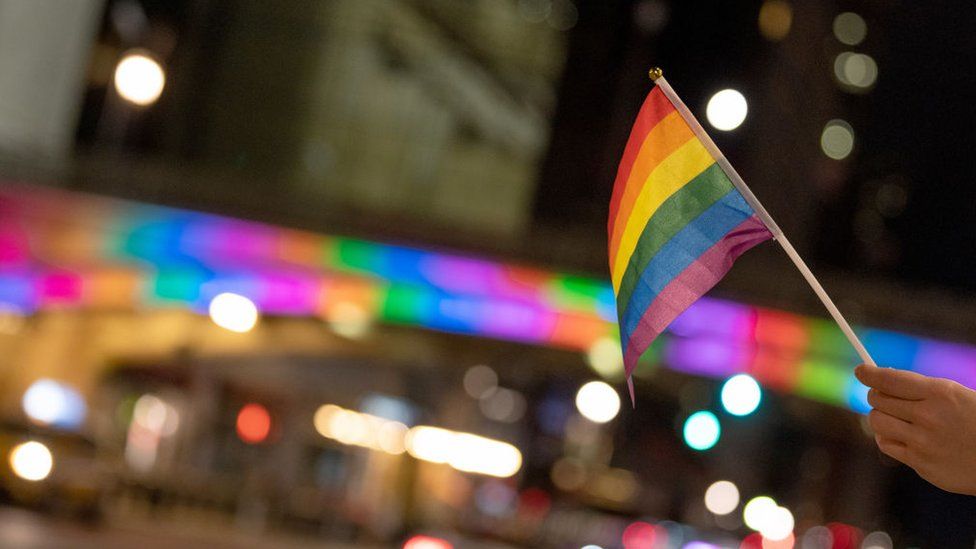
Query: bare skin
[{"x": 926, "y": 423}]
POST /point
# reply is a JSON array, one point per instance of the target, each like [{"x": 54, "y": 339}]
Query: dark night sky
[{"x": 917, "y": 127}]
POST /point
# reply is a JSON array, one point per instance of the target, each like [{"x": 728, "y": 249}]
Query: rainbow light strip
[{"x": 68, "y": 250}]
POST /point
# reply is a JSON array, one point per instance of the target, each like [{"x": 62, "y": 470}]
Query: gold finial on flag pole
[{"x": 655, "y": 73}]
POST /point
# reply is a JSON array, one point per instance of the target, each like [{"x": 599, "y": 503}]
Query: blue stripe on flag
[{"x": 681, "y": 251}]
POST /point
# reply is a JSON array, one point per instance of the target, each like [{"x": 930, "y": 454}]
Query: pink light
[
  {"x": 13, "y": 247},
  {"x": 640, "y": 535},
  {"x": 427, "y": 542},
  {"x": 288, "y": 292},
  {"x": 62, "y": 288},
  {"x": 786, "y": 543}
]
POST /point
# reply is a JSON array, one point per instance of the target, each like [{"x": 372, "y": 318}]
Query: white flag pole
[{"x": 658, "y": 78}]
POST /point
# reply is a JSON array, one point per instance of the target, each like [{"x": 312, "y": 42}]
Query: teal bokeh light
[{"x": 702, "y": 430}]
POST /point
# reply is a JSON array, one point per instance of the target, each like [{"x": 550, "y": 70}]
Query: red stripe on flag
[{"x": 656, "y": 106}]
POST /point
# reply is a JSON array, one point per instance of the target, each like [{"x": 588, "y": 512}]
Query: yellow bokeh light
[
  {"x": 139, "y": 78},
  {"x": 31, "y": 461},
  {"x": 598, "y": 402},
  {"x": 233, "y": 312},
  {"x": 775, "y": 19},
  {"x": 837, "y": 139},
  {"x": 323, "y": 419},
  {"x": 605, "y": 358},
  {"x": 390, "y": 437},
  {"x": 850, "y": 28}
]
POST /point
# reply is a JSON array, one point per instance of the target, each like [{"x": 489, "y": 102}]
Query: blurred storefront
[{"x": 278, "y": 379}]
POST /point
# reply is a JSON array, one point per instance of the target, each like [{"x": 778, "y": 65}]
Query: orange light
[
  {"x": 253, "y": 423},
  {"x": 427, "y": 542}
]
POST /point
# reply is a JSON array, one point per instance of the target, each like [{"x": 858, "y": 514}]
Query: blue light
[
  {"x": 702, "y": 430},
  {"x": 49, "y": 402}
]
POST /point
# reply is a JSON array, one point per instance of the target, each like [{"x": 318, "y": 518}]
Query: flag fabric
[{"x": 677, "y": 222}]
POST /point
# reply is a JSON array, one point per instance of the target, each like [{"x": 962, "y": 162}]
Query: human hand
[{"x": 926, "y": 423}]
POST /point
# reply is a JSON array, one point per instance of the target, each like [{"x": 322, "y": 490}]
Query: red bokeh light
[
  {"x": 427, "y": 542},
  {"x": 640, "y": 535},
  {"x": 253, "y": 423},
  {"x": 752, "y": 541},
  {"x": 535, "y": 502},
  {"x": 845, "y": 536}
]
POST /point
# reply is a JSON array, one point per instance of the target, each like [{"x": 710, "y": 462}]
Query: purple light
[
  {"x": 219, "y": 240},
  {"x": 17, "y": 291},
  {"x": 517, "y": 321},
  {"x": 283, "y": 292},
  {"x": 951, "y": 361},
  {"x": 705, "y": 356},
  {"x": 715, "y": 318},
  {"x": 460, "y": 275}
]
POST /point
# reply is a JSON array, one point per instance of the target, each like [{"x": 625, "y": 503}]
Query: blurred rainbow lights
[{"x": 59, "y": 249}]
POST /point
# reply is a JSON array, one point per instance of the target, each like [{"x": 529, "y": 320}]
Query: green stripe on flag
[{"x": 677, "y": 211}]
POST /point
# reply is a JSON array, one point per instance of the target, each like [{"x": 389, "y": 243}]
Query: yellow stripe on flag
[{"x": 670, "y": 175}]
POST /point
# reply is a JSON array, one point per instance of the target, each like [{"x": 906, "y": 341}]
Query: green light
[
  {"x": 178, "y": 284},
  {"x": 824, "y": 381},
  {"x": 406, "y": 304},
  {"x": 357, "y": 255}
]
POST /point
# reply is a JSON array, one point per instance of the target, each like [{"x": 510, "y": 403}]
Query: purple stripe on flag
[{"x": 692, "y": 283}]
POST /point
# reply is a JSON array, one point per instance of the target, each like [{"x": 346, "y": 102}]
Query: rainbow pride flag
[{"x": 677, "y": 221}]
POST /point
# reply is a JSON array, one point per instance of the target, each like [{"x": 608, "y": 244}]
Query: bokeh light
[
  {"x": 789, "y": 542},
  {"x": 777, "y": 525},
  {"x": 850, "y": 28},
  {"x": 639, "y": 535},
  {"x": 233, "y": 312},
  {"x": 463, "y": 451},
  {"x": 817, "y": 537},
  {"x": 31, "y": 460},
  {"x": 349, "y": 320},
  {"x": 605, "y": 358},
  {"x": 722, "y": 497},
  {"x": 775, "y": 19},
  {"x": 598, "y": 402},
  {"x": 503, "y": 405},
  {"x": 702, "y": 430},
  {"x": 741, "y": 395},
  {"x": 139, "y": 78},
  {"x": 726, "y": 110},
  {"x": 757, "y": 511},
  {"x": 837, "y": 139},
  {"x": 427, "y": 542},
  {"x": 568, "y": 474},
  {"x": 480, "y": 381},
  {"x": 51, "y": 402},
  {"x": 253, "y": 423},
  {"x": 857, "y": 72},
  {"x": 877, "y": 540},
  {"x": 155, "y": 415}
]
